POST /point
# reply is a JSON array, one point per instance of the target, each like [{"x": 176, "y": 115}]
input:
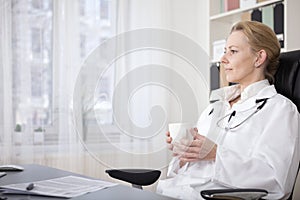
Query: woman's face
[{"x": 239, "y": 61}]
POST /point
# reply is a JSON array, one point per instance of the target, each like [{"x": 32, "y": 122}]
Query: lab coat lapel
[{"x": 266, "y": 93}]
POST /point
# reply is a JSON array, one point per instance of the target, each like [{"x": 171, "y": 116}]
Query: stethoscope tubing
[{"x": 232, "y": 114}]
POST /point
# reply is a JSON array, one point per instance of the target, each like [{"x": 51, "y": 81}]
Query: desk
[{"x": 33, "y": 173}]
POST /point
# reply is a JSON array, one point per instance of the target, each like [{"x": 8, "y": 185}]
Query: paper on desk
[{"x": 68, "y": 186}]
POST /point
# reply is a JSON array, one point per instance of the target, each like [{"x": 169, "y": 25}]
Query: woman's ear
[{"x": 261, "y": 58}]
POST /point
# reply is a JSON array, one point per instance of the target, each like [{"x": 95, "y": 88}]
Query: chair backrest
[
  {"x": 287, "y": 77},
  {"x": 287, "y": 80}
]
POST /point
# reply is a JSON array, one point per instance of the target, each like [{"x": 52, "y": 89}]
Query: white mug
[{"x": 179, "y": 131}]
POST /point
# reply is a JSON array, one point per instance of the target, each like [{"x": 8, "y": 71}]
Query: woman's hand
[
  {"x": 201, "y": 148},
  {"x": 177, "y": 151}
]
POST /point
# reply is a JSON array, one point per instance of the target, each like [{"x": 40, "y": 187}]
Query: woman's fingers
[
  {"x": 199, "y": 137},
  {"x": 168, "y": 139},
  {"x": 187, "y": 155},
  {"x": 168, "y": 133},
  {"x": 170, "y": 146},
  {"x": 185, "y": 160},
  {"x": 194, "y": 132}
]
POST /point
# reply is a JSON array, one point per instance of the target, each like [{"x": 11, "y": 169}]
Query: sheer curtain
[
  {"x": 43, "y": 45},
  {"x": 6, "y": 77},
  {"x": 101, "y": 79}
]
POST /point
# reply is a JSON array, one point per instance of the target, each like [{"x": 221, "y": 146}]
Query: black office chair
[{"x": 287, "y": 83}]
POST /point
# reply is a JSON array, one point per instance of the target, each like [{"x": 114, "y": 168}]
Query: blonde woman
[{"x": 250, "y": 134}]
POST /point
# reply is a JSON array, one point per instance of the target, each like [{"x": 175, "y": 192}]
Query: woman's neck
[{"x": 233, "y": 101}]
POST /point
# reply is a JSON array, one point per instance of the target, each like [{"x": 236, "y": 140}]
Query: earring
[{"x": 256, "y": 65}]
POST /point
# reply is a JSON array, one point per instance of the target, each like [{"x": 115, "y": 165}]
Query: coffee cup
[{"x": 181, "y": 131}]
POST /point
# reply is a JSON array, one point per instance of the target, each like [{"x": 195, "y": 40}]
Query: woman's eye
[{"x": 233, "y": 51}]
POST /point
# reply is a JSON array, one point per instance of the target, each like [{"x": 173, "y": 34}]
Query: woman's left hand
[{"x": 201, "y": 148}]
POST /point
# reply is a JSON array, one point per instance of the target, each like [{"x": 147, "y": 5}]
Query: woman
[{"x": 248, "y": 138}]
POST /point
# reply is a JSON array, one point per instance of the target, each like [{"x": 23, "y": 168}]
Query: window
[
  {"x": 32, "y": 67},
  {"x": 38, "y": 74},
  {"x": 95, "y": 27}
]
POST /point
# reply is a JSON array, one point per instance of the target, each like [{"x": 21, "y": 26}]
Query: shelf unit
[
  {"x": 220, "y": 23},
  {"x": 236, "y": 12}
]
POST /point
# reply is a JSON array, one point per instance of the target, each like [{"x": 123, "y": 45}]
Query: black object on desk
[
  {"x": 2, "y": 174},
  {"x": 30, "y": 186},
  {"x": 33, "y": 173}
]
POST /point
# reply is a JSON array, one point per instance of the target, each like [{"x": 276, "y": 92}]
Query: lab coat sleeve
[
  {"x": 273, "y": 162},
  {"x": 174, "y": 167}
]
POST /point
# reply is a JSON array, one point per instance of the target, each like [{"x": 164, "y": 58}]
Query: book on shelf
[
  {"x": 231, "y": 4},
  {"x": 268, "y": 16},
  {"x": 279, "y": 22},
  {"x": 256, "y": 15},
  {"x": 247, "y": 3}
]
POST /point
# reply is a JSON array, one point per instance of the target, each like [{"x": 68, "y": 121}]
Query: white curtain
[
  {"x": 146, "y": 91},
  {"x": 6, "y": 77},
  {"x": 66, "y": 65}
]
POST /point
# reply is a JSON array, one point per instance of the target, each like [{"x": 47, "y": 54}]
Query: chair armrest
[
  {"x": 142, "y": 177},
  {"x": 238, "y": 194}
]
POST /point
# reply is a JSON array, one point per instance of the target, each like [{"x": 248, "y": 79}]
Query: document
[{"x": 67, "y": 187}]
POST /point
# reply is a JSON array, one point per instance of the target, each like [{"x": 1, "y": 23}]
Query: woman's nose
[{"x": 224, "y": 58}]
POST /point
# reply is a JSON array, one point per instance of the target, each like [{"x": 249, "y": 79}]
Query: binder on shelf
[
  {"x": 279, "y": 22},
  {"x": 278, "y": 18},
  {"x": 268, "y": 16},
  {"x": 214, "y": 76},
  {"x": 256, "y": 15},
  {"x": 222, "y": 9}
]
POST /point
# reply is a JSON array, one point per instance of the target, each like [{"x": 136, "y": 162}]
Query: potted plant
[
  {"x": 38, "y": 135},
  {"x": 18, "y": 135}
]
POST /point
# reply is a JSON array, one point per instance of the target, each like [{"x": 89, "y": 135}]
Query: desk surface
[{"x": 33, "y": 173}]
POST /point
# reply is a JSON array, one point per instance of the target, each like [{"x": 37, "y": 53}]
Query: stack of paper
[{"x": 68, "y": 187}]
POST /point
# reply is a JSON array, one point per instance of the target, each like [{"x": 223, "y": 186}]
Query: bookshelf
[
  {"x": 220, "y": 23},
  {"x": 236, "y": 12}
]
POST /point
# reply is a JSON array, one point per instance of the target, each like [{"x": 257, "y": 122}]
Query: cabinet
[{"x": 221, "y": 22}]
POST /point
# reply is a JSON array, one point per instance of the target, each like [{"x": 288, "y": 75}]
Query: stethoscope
[{"x": 230, "y": 115}]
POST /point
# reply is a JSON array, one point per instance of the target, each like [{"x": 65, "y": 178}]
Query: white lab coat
[{"x": 262, "y": 152}]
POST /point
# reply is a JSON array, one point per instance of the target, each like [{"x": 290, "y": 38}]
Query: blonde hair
[{"x": 260, "y": 36}]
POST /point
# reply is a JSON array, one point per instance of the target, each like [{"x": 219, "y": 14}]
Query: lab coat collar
[
  {"x": 261, "y": 89},
  {"x": 254, "y": 89}
]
